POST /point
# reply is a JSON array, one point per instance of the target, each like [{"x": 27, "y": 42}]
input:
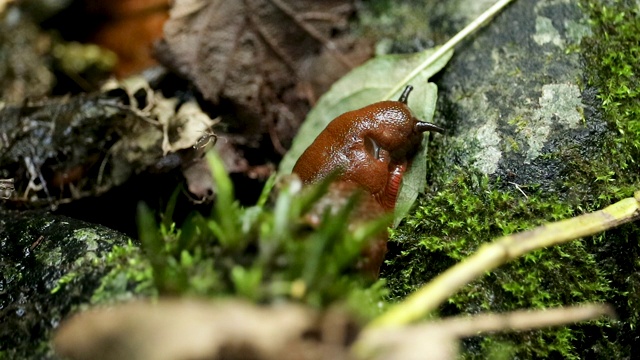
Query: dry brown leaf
[
  {"x": 261, "y": 56},
  {"x": 235, "y": 49}
]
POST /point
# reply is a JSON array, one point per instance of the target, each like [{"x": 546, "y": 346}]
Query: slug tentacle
[
  {"x": 404, "y": 97},
  {"x": 422, "y": 126}
]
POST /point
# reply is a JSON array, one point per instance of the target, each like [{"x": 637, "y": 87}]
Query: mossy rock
[
  {"x": 543, "y": 124},
  {"x": 49, "y": 266}
]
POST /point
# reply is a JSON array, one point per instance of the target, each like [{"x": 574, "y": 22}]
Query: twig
[
  {"x": 502, "y": 250},
  {"x": 442, "y": 336},
  {"x": 465, "y": 326},
  {"x": 519, "y": 188}
]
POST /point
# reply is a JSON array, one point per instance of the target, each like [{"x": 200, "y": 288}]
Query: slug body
[{"x": 369, "y": 149}]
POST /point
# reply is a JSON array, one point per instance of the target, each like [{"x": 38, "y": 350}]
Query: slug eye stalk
[
  {"x": 405, "y": 94},
  {"x": 422, "y": 126}
]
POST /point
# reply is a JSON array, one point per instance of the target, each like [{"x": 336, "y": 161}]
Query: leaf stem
[{"x": 473, "y": 26}]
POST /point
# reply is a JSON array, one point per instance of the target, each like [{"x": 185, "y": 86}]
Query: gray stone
[
  {"x": 511, "y": 96},
  {"x": 49, "y": 265}
]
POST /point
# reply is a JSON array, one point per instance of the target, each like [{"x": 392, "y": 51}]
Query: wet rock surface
[
  {"x": 513, "y": 96},
  {"x": 49, "y": 265}
]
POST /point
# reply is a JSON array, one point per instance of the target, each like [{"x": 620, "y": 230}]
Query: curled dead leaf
[
  {"x": 238, "y": 49},
  {"x": 262, "y": 57}
]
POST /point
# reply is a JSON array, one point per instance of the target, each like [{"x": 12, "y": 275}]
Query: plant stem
[{"x": 473, "y": 26}]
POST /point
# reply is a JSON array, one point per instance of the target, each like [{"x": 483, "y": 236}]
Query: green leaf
[
  {"x": 226, "y": 210},
  {"x": 247, "y": 281},
  {"x": 415, "y": 179},
  {"x": 152, "y": 243}
]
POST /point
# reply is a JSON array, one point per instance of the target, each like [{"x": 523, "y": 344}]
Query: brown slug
[{"x": 369, "y": 149}]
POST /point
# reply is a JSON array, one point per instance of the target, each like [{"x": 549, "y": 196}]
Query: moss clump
[
  {"x": 453, "y": 221},
  {"x": 130, "y": 276},
  {"x": 471, "y": 211},
  {"x": 612, "y": 56}
]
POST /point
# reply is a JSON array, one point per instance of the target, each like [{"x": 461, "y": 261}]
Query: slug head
[{"x": 370, "y": 147}]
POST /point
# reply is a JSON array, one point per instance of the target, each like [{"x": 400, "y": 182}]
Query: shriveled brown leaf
[
  {"x": 236, "y": 49},
  {"x": 261, "y": 56}
]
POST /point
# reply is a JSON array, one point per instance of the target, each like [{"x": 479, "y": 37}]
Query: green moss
[
  {"x": 472, "y": 210},
  {"x": 613, "y": 58},
  {"x": 67, "y": 278},
  {"x": 130, "y": 276},
  {"x": 518, "y": 122},
  {"x": 461, "y": 214},
  {"x": 511, "y": 144}
]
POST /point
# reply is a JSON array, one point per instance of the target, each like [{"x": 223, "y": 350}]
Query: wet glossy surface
[{"x": 370, "y": 147}]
